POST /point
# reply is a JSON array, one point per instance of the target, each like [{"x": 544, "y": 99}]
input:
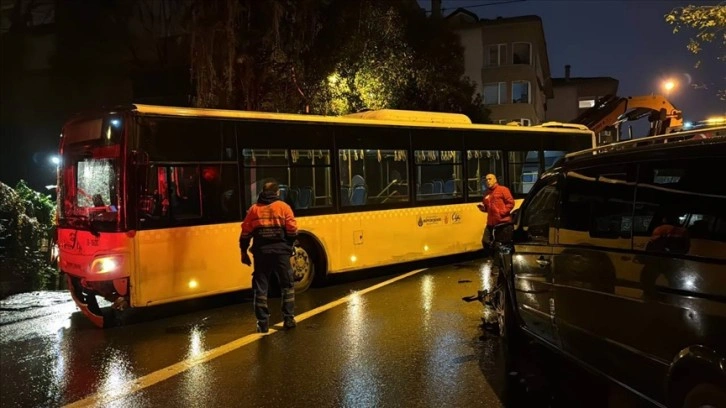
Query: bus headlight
[{"x": 106, "y": 264}]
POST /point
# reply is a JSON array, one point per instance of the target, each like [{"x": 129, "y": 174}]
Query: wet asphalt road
[{"x": 410, "y": 343}]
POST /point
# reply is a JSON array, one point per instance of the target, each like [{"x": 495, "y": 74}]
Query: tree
[
  {"x": 387, "y": 54},
  {"x": 324, "y": 57},
  {"x": 246, "y": 54},
  {"x": 709, "y": 22},
  {"x": 368, "y": 61},
  {"x": 26, "y": 218},
  {"x": 439, "y": 68}
]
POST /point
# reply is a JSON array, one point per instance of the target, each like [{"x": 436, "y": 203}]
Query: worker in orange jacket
[{"x": 271, "y": 226}]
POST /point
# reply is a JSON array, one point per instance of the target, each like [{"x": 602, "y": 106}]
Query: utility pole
[{"x": 436, "y": 8}]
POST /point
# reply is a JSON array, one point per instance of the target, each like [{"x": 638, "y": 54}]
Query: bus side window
[
  {"x": 373, "y": 176},
  {"x": 220, "y": 192},
  {"x": 185, "y": 192},
  {"x": 153, "y": 200},
  {"x": 438, "y": 172},
  {"x": 524, "y": 170},
  {"x": 479, "y": 164}
]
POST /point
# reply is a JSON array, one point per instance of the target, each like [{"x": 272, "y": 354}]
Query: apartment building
[
  {"x": 507, "y": 59},
  {"x": 575, "y": 95}
]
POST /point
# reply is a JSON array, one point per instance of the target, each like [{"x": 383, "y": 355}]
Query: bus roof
[
  {"x": 399, "y": 115},
  {"x": 404, "y": 118}
]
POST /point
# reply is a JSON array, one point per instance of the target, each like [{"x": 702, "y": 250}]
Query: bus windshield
[{"x": 89, "y": 175}]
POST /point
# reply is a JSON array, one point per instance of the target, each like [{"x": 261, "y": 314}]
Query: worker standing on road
[
  {"x": 271, "y": 226},
  {"x": 497, "y": 204}
]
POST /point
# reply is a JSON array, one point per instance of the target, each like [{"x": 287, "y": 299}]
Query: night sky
[{"x": 627, "y": 40}]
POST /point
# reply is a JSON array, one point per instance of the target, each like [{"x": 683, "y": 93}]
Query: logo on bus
[
  {"x": 430, "y": 220},
  {"x": 70, "y": 243},
  {"x": 455, "y": 218}
]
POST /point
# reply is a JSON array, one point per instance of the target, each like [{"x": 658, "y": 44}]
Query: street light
[{"x": 668, "y": 86}]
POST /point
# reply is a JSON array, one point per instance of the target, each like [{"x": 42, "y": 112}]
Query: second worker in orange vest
[{"x": 271, "y": 226}]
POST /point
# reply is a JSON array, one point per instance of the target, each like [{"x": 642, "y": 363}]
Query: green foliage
[
  {"x": 371, "y": 59},
  {"x": 709, "y": 24},
  {"x": 26, "y": 223},
  {"x": 326, "y": 57},
  {"x": 37, "y": 205},
  {"x": 387, "y": 54}
]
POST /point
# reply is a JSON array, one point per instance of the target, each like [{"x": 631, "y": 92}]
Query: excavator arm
[{"x": 613, "y": 110}]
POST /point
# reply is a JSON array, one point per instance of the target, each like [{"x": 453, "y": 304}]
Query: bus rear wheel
[{"x": 303, "y": 265}]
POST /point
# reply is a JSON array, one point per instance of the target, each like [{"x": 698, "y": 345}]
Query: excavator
[{"x": 610, "y": 112}]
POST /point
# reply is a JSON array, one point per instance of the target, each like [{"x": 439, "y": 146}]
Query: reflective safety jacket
[
  {"x": 498, "y": 203},
  {"x": 272, "y": 225}
]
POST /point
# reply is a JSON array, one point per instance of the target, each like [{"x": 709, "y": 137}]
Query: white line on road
[{"x": 104, "y": 398}]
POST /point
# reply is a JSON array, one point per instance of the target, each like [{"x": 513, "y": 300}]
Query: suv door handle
[{"x": 542, "y": 262}]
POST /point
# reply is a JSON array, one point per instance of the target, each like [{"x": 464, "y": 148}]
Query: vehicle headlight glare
[{"x": 106, "y": 264}]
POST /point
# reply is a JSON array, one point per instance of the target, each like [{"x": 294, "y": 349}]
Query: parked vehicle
[{"x": 619, "y": 262}]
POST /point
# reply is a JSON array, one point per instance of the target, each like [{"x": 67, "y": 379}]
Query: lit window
[
  {"x": 520, "y": 92},
  {"x": 586, "y": 103}
]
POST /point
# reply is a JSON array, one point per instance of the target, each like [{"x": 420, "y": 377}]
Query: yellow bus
[{"x": 151, "y": 197}]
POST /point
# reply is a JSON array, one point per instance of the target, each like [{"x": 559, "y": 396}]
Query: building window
[
  {"x": 496, "y": 55},
  {"x": 522, "y": 53},
  {"x": 520, "y": 92},
  {"x": 586, "y": 103},
  {"x": 495, "y": 93}
]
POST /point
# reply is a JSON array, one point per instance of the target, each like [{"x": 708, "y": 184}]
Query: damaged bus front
[{"x": 94, "y": 246}]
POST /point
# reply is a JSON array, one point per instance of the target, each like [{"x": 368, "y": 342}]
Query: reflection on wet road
[{"x": 399, "y": 340}]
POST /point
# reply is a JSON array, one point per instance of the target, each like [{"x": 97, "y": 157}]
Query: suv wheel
[{"x": 705, "y": 395}]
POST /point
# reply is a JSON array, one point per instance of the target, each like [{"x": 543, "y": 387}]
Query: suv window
[
  {"x": 541, "y": 211},
  {"x": 680, "y": 209},
  {"x": 597, "y": 206}
]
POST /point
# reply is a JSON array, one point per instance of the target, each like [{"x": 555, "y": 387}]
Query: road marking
[{"x": 104, "y": 398}]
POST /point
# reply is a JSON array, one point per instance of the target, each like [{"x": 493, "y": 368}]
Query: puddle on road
[{"x": 29, "y": 300}]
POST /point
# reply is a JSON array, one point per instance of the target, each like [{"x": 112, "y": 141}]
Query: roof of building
[{"x": 576, "y": 80}]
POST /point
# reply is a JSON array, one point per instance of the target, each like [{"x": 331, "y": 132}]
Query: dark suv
[{"x": 619, "y": 262}]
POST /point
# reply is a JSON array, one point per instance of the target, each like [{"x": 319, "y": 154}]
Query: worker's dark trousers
[{"x": 265, "y": 266}]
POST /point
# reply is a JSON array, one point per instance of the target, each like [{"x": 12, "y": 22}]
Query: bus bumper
[{"x": 77, "y": 294}]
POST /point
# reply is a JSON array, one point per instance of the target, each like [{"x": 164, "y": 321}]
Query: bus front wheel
[{"x": 303, "y": 265}]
